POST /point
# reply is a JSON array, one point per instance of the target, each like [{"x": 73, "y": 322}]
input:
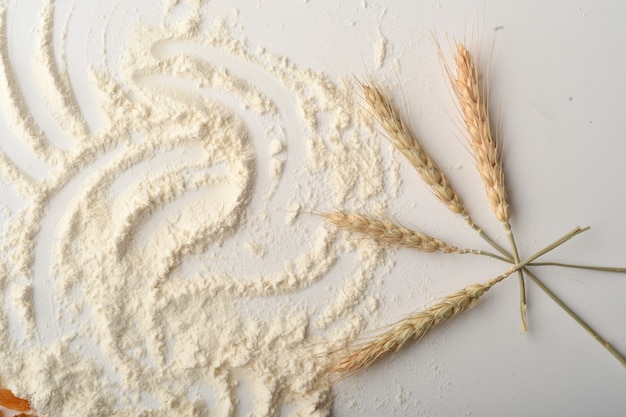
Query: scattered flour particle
[
  {"x": 401, "y": 395},
  {"x": 371, "y": 305},
  {"x": 380, "y": 48},
  {"x": 257, "y": 249},
  {"x": 292, "y": 213},
  {"x": 276, "y": 147},
  {"x": 276, "y": 168}
]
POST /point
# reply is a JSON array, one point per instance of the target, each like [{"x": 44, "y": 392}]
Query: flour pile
[{"x": 167, "y": 260}]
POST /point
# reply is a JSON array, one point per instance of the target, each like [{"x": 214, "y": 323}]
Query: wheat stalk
[
  {"x": 418, "y": 324},
  {"x": 389, "y": 232},
  {"x": 485, "y": 147},
  {"x": 406, "y": 142}
]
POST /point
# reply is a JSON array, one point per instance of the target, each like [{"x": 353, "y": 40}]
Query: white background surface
[{"x": 558, "y": 81}]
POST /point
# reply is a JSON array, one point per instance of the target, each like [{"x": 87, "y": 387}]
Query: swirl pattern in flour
[{"x": 156, "y": 261}]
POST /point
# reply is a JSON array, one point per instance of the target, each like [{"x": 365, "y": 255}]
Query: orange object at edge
[{"x": 10, "y": 401}]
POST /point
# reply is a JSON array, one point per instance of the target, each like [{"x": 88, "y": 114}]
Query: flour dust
[{"x": 167, "y": 260}]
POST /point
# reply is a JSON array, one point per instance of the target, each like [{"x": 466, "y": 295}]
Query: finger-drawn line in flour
[
  {"x": 13, "y": 104},
  {"x": 54, "y": 80}
]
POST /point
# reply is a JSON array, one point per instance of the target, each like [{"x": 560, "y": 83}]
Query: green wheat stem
[
  {"x": 555, "y": 298},
  {"x": 621, "y": 358},
  {"x": 575, "y": 266},
  {"x": 615, "y": 269},
  {"x": 520, "y": 275}
]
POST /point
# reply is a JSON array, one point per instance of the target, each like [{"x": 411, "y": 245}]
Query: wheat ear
[
  {"x": 412, "y": 328},
  {"x": 388, "y": 232},
  {"x": 418, "y": 324},
  {"x": 406, "y": 142},
  {"x": 485, "y": 147}
]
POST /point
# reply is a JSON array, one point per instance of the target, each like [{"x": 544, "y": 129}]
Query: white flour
[{"x": 164, "y": 263}]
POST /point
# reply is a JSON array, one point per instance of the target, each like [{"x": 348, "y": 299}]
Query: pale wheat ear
[
  {"x": 485, "y": 146},
  {"x": 406, "y": 142},
  {"x": 410, "y": 329},
  {"x": 388, "y": 232},
  {"x": 473, "y": 105}
]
